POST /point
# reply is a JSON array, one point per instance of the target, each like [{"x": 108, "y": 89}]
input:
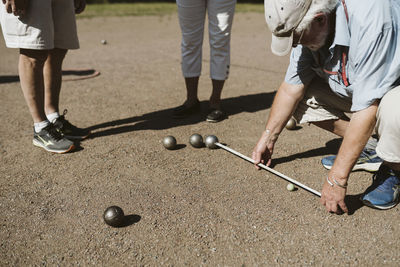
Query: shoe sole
[
  {"x": 369, "y": 167},
  {"x": 77, "y": 138},
  {"x": 209, "y": 120},
  {"x": 38, "y": 144},
  {"x": 369, "y": 204}
]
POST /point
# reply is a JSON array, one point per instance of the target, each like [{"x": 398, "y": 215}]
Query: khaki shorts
[
  {"x": 320, "y": 103},
  {"x": 47, "y": 24},
  {"x": 388, "y": 126}
]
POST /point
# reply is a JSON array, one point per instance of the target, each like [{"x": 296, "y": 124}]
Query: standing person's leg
[
  {"x": 52, "y": 79},
  {"x": 65, "y": 38},
  {"x": 384, "y": 193},
  {"x": 34, "y": 36},
  {"x": 220, "y": 16},
  {"x": 30, "y": 68},
  {"x": 191, "y": 20}
]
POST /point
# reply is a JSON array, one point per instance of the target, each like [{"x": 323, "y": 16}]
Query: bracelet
[
  {"x": 336, "y": 182},
  {"x": 340, "y": 185},
  {"x": 329, "y": 182}
]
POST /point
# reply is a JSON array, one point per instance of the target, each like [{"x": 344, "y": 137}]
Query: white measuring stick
[{"x": 269, "y": 169}]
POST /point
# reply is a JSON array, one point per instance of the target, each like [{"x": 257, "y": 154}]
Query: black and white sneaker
[
  {"x": 68, "y": 130},
  {"x": 52, "y": 140}
]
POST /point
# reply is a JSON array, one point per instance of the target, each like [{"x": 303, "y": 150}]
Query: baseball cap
[{"x": 282, "y": 17}]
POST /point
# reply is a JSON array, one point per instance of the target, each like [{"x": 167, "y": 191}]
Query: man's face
[{"x": 315, "y": 37}]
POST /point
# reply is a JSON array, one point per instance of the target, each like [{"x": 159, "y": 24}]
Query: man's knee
[
  {"x": 57, "y": 54},
  {"x": 34, "y": 57}
]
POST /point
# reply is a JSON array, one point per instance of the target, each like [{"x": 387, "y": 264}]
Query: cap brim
[{"x": 281, "y": 46}]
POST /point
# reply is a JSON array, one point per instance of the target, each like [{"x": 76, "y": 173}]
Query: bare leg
[
  {"x": 337, "y": 127},
  {"x": 30, "y": 68},
  {"x": 52, "y": 79},
  {"x": 215, "y": 99},
  {"x": 192, "y": 85}
]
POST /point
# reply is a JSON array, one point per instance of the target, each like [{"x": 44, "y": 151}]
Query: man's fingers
[
  {"x": 322, "y": 200},
  {"x": 256, "y": 158},
  {"x": 8, "y": 8},
  {"x": 343, "y": 206}
]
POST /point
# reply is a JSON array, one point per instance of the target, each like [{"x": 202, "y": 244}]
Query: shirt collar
[{"x": 342, "y": 34}]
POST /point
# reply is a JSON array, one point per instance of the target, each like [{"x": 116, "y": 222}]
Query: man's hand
[
  {"x": 332, "y": 197},
  {"x": 262, "y": 152},
  {"x": 79, "y": 6},
  {"x": 16, "y": 7}
]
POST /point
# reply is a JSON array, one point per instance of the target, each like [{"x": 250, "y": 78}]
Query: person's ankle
[
  {"x": 215, "y": 105},
  {"x": 191, "y": 102}
]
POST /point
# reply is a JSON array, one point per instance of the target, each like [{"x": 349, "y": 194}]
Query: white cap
[{"x": 283, "y": 16}]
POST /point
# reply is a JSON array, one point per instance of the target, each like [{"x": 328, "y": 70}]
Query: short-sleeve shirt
[{"x": 363, "y": 61}]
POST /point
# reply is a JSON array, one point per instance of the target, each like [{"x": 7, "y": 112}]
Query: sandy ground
[{"x": 187, "y": 206}]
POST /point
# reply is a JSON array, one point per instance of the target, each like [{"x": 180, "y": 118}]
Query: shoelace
[
  {"x": 65, "y": 123},
  {"x": 54, "y": 133},
  {"x": 370, "y": 154},
  {"x": 381, "y": 176}
]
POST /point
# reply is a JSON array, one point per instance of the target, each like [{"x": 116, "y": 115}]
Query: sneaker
[
  {"x": 183, "y": 111},
  {"x": 68, "y": 130},
  {"x": 368, "y": 161},
  {"x": 215, "y": 115},
  {"x": 52, "y": 140},
  {"x": 384, "y": 192}
]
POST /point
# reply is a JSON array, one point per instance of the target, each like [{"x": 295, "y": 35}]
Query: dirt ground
[{"x": 187, "y": 206}]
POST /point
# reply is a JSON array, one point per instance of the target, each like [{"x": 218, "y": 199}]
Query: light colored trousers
[
  {"x": 192, "y": 15},
  {"x": 320, "y": 103}
]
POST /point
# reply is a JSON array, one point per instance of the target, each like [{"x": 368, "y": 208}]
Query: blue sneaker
[
  {"x": 384, "y": 192},
  {"x": 368, "y": 161}
]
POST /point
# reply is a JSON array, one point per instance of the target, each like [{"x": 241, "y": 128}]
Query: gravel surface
[{"x": 189, "y": 206}]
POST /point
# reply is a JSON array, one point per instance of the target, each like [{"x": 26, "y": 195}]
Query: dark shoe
[
  {"x": 216, "y": 115},
  {"x": 385, "y": 190},
  {"x": 368, "y": 161},
  {"x": 52, "y": 140},
  {"x": 185, "y": 111},
  {"x": 68, "y": 130}
]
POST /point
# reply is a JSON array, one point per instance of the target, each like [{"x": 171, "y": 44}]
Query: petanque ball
[
  {"x": 291, "y": 124},
  {"x": 169, "y": 142},
  {"x": 210, "y": 141},
  {"x": 290, "y": 187},
  {"x": 103, "y": 42},
  {"x": 196, "y": 140},
  {"x": 114, "y": 216}
]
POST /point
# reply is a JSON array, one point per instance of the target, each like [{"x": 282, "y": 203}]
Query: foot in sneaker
[
  {"x": 52, "y": 140},
  {"x": 68, "y": 130},
  {"x": 368, "y": 161},
  {"x": 384, "y": 191}
]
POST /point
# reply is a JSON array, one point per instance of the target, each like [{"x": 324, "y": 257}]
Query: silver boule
[
  {"x": 104, "y": 42},
  {"x": 114, "y": 216},
  {"x": 169, "y": 142},
  {"x": 196, "y": 140},
  {"x": 291, "y": 124},
  {"x": 210, "y": 141}
]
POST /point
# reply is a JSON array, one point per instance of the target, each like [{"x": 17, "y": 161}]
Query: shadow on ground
[
  {"x": 331, "y": 147},
  {"x": 67, "y": 75},
  {"x": 162, "y": 119}
]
